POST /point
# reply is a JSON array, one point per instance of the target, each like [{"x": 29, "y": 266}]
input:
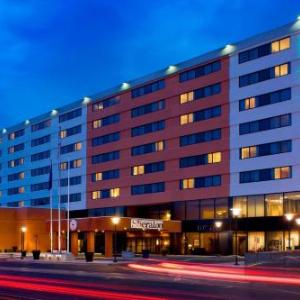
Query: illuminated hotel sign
[{"x": 146, "y": 224}]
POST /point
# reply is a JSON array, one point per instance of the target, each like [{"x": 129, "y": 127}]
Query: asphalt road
[{"x": 150, "y": 280}]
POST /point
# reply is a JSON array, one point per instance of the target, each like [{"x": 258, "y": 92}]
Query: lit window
[
  {"x": 115, "y": 192},
  {"x": 21, "y": 190},
  {"x": 63, "y": 134},
  {"x": 96, "y": 195},
  {"x": 282, "y": 172},
  {"x": 188, "y": 183},
  {"x": 21, "y": 175},
  {"x": 245, "y": 153},
  {"x": 97, "y": 124},
  {"x": 281, "y": 45},
  {"x": 98, "y": 176},
  {"x": 12, "y": 136},
  {"x": 186, "y": 97},
  {"x": 253, "y": 151},
  {"x": 78, "y": 146},
  {"x": 77, "y": 163},
  {"x": 185, "y": 119},
  {"x": 138, "y": 170},
  {"x": 250, "y": 103},
  {"x": 281, "y": 70},
  {"x": 63, "y": 166},
  {"x": 159, "y": 146},
  {"x": 215, "y": 157}
]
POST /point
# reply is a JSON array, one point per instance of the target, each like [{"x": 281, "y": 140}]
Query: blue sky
[{"x": 55, "y": 52}]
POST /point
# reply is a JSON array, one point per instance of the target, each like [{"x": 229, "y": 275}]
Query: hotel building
[{"x": 184, "y": 145}]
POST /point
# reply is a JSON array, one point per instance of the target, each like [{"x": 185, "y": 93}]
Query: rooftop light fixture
[
  {"x": 171, "y": 69},
  {"x": 229, "y": 48},
  {"x": 27, "y": 122},
  {"x": 86, "y": 100},
  {"x": 54, "y": 112},
  {"x": 4, "y": 130},
  {"x": 125, "y": 86}
]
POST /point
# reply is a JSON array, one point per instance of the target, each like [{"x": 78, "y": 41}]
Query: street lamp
[
  {"x": 235, "y": 213},
  {"x": 289, "y": 217},
  {"x": 217, "y": 225},
  {"x": 23, "y": 230},
  {"x": 115, "y": 221}
]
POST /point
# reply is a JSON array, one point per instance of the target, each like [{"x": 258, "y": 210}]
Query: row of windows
[
  {"x": 200, "y": 71},
  {"x": 200, "y": 182},
  {"x": 106, "y": 193},
  {"x": 40, "y": 155},
  {"x": 106, "y": 121},
  {"x": 148, "y": 128},
  {"x": 266, "y": 149},
  {"x": 105, "y": 175},
  {"x": 264, "y": 50},
  {"x": 16, "y": 148},
  {"x": 41, "y": 125},
  {"x": 150, "y": 188},
  {"x": 105, "y": 157},
  {"x": 265, "y": 99},
  {"x": 105, "y": 104},
  {"x": 15, "y": 162},
  {"x": 265, "y": 174},
  {"x": 15, "y": 190},
  {"x": 70, "y": 115},
  {"x": 16, "y": 176},
  {"x": 75, "y": 180},
  {"x": 265, "y": 124},
  {"x": 70, "y": 148},
  {"x": 266, "y": 74},
  {"x": 201, "y": 115},
  {"x": 203, "y": 92},
  {"x": 148, "y": 168},
  {"x": 40, "y": 171},
  {"x": 40, "y": 186},
  {"x": 74, "y": 197},
  {"x": 148, "y": 88},
  {"x": 40, "y": 141},
  {"x": 70, "y": 131},
  {"x": 16, "y": 134},
  {"x": 73, "y": 164},
  {"x": 148, "y": 108},
  {"x": 104, "y": 139},
  {"x": 198, "y": 160},
  {"x": 200, "y": 137},
  {"x": 148, "y": 148}
]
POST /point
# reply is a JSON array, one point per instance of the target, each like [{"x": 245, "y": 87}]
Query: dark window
[
  {"x": 40, "y": 201},
  {"x": 105, "y": 139},
  {"x": 148, "y": 88},
  {"x": 107, "y": 175},
  {"x": 16, "y": 134},
  {"x": 41, "y": 125},
  {"x": 70, "y": 115},
  {"x": 75, "y": 180},
  {"x": 40, "y": 155},
  {"x": 148, "y": 128},
  {"x": 76, "y": 197},
  {"x": 152, "y": 167},
  {"x": 207, "y": 113},
  {"x": 40, "y": 141},
  {"x": 200, "y": 71},
  {"x": 39, "y": 186},
  {"x": 148, "y": 188},
  {"x": 207, "y": 91},
  {"x": 40, "y": 171},
  {"x": 147, "y": 108},
  {"x": 105, "y": 103},
  {"x": 70, "y": 148},
  {"x": 71, "y": 131},
  {"x": 200, "y": 137},
  {"x": 146, "y": 148},
  {"x": 104, "y": 157}
]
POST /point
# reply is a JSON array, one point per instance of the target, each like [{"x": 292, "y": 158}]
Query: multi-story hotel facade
[{"x": 188, "y": 145}]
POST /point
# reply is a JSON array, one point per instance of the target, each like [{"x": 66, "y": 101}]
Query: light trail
[{"x": 214, "y": 273}]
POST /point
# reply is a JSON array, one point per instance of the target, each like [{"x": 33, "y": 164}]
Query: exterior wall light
[
  {"x": 297, "y": 221},
  {"x": 218, "y": 224},
  {"x": 289, "y": 217}
]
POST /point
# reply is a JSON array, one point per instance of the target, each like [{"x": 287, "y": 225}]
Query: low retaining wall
[{"x": 272, "y": 257}]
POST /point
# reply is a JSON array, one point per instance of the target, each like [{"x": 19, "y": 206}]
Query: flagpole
[
  {"x": 59, "y": 190},
  {"x": 51, "y": 208},
  {"x": 68, "y": 210}
]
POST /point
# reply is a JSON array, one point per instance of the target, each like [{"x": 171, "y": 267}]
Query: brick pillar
[
  {"x": 108, "y": 243},
  {"x": 91, "y": 241},
  {"x": 74, "y": 243}
]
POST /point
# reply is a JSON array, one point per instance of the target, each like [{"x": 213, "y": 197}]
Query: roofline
[{"x": 228, "y": 50}]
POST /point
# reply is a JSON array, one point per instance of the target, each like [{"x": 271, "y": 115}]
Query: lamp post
[
  {"x": 217, "y": 225},
  {"x": 235, "y": 213},
  {"x": 23, "y": 230},
  {"x": 115, "y": 221},
  {"x": 289, "y": 217}
]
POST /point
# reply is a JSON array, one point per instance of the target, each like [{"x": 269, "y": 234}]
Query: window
[
  {"x": 16, "y": 134},
  {"x": 16, "y": 148},
  {"x": 200, "y": 137},
  {"x": 241, "y": 204},
  {"x": 186, "y": 97},
  {"x": 200, "y": 71},
  {"x": 70, "y": 148},
  {"x": 70, "y": 115},
  {"x": 148, "y": 168},
  {"x": 265, "y": 99},
  {"x": 105, "y": 139},
  {"x": 76, "y": 163},
  {"x": 265, "y": 124},
  {"x": 203, "y": 159},
  {"x": 266, "y": 149},
  {"x": 256, "y": 206},
  {"x": 75, "y": 197},
  {"x": 70, "y": 131},
  {"x": 16, "y": 190},
  {"x": 200, "y": 182},
  {"x": 40, "y": 155},
  {"x": 150, "y": 188},
  {"x": 291, "y": 203},
  {"x": 105, "y": 103},
  {"x": 201, "y": 115},
  {"x": 40, "y": 171},
  {"x": 41, "y": 125},
  {"x": 148, "y": 128},
  {"x": 207, "y": 208},
  {"x": 107, "y": 193},
  {"x": 39, "y": 186},
  {"x": 148, "y": 148},
  {"x": 106, "y": 175},
  {"x": 274, "y": 205},
  {"x": 203, "y": 92},
  {"x": 266, "y": 174},
  {"x": 148, "y": 88},
  {"x": 106, "y": 121},
  {"x": 148, "y": 108},
  {"x": 40, "y": 141},
  {"x": 75, "y": 180},
  {"x": 104, "y": 157},
  {"x": 16, "y": 176},
  {"x": 40, "y": 201},
  {"x": 221, "y": 208},
  {"x": 16, "y": 162},
  {"x": 266, "y": 74},
  {"x": 264, "y": 50}
]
